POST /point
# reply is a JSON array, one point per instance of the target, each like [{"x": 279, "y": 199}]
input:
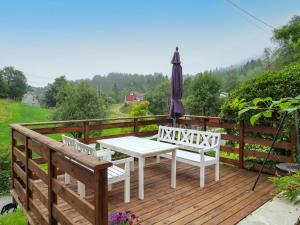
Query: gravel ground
[{"x": 5, "y": 200}]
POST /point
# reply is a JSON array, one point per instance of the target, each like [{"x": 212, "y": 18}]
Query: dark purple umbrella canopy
[{"x": 176, "y": 107}]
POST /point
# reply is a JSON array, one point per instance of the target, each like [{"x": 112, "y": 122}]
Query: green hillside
[{"x": 16, "y": 112}]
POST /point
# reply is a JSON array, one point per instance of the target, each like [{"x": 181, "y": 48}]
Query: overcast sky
[{"x": 79, "y": 39}]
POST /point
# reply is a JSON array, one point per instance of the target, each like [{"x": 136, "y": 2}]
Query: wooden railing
[{"x": 31, "y": 147}]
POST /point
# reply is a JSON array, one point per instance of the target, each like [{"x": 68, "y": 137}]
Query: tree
[
  {"x": 3, "y": 87},
  {"x": 56, "y": 92},
  {"x": 159, "y": 98},
  {"x": 275, "y": 84},
  {"x": 81, "y": 101},
  {"x": 231, "y": 80},
  {"x": 204, "y": 98},
  {"x": 16, "y": 82},
  {"x": 140, "y": 109},
  {"x": 288, "y": 37}
]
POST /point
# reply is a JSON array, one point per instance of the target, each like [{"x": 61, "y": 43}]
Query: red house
[{"x": 134, "y": 96}]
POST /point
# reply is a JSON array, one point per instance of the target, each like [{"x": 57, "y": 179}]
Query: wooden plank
[
  {"x": 19, "y": 190},
  {"x": 28, "y": 173},
  {"x": 86, "y": 209},
  {"x": 101, "y": 198},
  {"x": 40, "y": 160},
  {"x": 39, "y": 148},
  {"x": 19, "y": 155},
  {"x": 261, "y": 129},
  {"x": 230, "y": 161},
  {"x": 38, "y": 193},
  {"x": 52, "y": 197},
  {"x": 111, "y": 125},
  {"x": 37, "y": 212},
  {"x": 61, "y": 217},
  {"x": 58, "y": 130},
  {"x": 75, "y": 170},
  {"x": 34, "y": 167},
  {"x": 257, "y": 154},
  {"x": 229, "y": 149},
  {"x": 19, "y": 171},
  {"x": 265, "y": 142},
  {"x": 230, "y": 137},
  {"x": 86, "y": 132}
]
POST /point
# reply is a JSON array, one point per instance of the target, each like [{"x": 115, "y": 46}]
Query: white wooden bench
[
  {"x": 114, "y": 173},
  {"x": 194, "y": 145}
]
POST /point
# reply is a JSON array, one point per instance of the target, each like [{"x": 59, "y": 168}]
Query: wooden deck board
[{"x": 224, "y": 202}]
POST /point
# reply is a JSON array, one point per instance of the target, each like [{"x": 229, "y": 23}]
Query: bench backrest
[
  {"x": 71, "y": 142},
  {"x": 81, "y": 147},
  {"x": 190, "y": 138}
]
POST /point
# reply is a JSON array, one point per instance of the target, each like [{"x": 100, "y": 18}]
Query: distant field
[{"x": 16, "y": 112}]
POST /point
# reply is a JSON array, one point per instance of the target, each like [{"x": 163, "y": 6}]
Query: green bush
[{"x": 274, "y": 84}]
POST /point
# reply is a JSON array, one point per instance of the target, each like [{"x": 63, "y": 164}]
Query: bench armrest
[
  {"x": 122, "y": 161},
  {"x": 152, "y": 137},
  {"x": 104, "y": 153},
  {"x": 213, "y": 148}
]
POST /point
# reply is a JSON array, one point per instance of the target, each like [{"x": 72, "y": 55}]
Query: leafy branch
[{"x": 260, "y": 108}]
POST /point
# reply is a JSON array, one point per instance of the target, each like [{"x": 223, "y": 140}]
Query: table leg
[
  {"x": 173, "y": 170},
  {"x": 141, "y": 178}
]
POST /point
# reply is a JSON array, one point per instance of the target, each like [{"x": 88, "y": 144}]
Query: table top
[{"x": 136, "y": 146}]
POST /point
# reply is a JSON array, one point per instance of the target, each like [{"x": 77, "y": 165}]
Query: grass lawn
[
  {"x": 16, "y": 112},
  {"x": 16, "y": 218}
]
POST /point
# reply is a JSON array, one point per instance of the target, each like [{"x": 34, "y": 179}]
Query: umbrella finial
[{"x": 176, "y": 48}]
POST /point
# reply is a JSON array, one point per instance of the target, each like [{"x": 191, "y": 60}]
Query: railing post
[
  {"x": 13, "y": 158},
  {"x": 86, "y": 132},
  {"x": 204, "y": 124},
  {"x": 135, "y": 127},
  {"x": 241, "y": 144},
  {"x": 101, "y": 197},
  {"x": 52, "y": 197},
  {"x": 28, "y": 155}
]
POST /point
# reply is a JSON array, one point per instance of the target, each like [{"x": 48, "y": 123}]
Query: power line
[{"x": 249, "y": 14}]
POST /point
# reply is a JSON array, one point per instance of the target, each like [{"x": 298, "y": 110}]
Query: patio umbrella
[{"x": 176, "y": 108}]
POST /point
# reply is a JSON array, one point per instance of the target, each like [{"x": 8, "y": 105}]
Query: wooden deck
[{"x": 224, "y": 202}]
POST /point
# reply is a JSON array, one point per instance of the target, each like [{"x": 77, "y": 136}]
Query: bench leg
[
  {"x": 202, "y": 176},
  {"x": 127, "y": 181},
  {"x": 132, "y": 165},
  {"x": 67, "y": 178},
  {"x": 141, "y": 178},
  {"x": 81, "y": 188},
  {"x": 158, "y": 159},
  {"x": 217, "y": 171}
]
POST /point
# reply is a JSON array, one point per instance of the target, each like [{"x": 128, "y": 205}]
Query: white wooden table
[{"x": 141, "y": 148}]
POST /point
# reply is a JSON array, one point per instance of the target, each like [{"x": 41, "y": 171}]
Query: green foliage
[
  {"x": 140, "y": 109},
  {"x": 13, "y": 83},
  {"x": 5, "y": 172},
  {"x": 267, "y": 108},
  {"x": 79, "y": 101},
  {"x": 288, "y": 37},
  {"x": 288, "y": 186},
  {"x": 56, "y": 92},
  {"x": 16, "y": 218},
  {"x": 276, "y": 85},
  {"x": 204, "y": 95},
  {"x": 159, "y": 98}
]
